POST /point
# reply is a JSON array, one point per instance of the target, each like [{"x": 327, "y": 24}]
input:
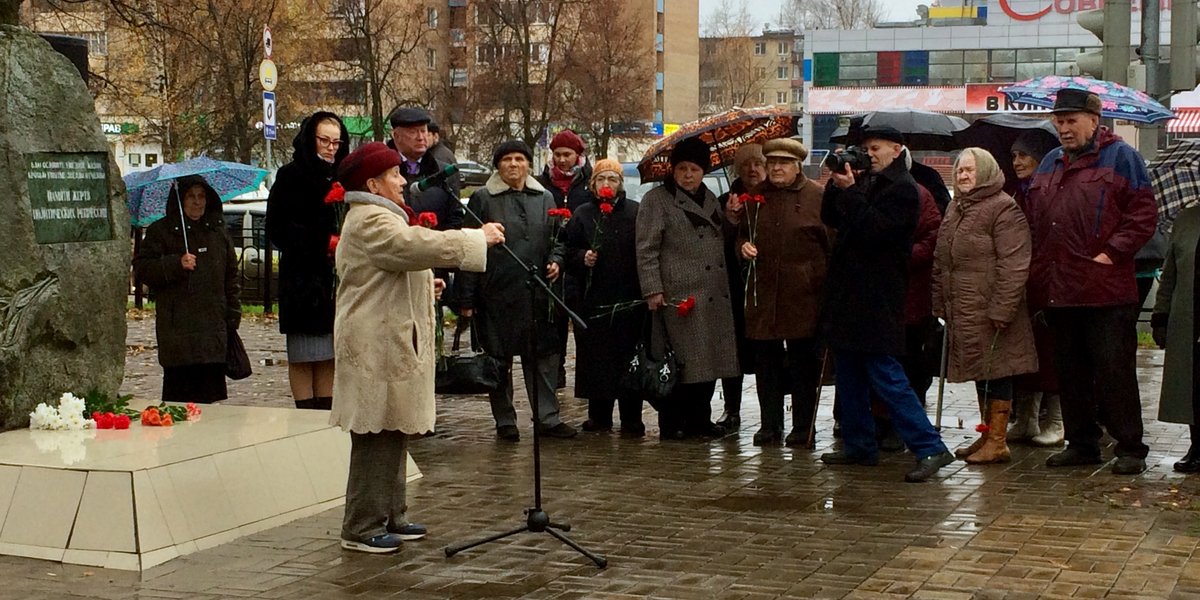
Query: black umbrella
[
  {"x": 996, "y": 134},
  {"x": 923, "y": 130}
]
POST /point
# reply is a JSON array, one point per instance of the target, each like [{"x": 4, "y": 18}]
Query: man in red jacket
[{"x": 1090, "y": 209}]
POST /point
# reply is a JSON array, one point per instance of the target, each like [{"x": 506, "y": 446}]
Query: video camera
[{"x": 856, "y": 157}]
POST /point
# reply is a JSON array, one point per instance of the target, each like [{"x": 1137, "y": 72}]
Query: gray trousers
[
  {"x": 541, "y": 372},
  {"x": 375, "y": 489}
]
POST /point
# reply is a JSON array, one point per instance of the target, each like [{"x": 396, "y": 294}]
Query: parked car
[
  {"x": 246, "y": 223},
  {"x": 473, "y": 173},
  {"x": 716, "y": 182}
]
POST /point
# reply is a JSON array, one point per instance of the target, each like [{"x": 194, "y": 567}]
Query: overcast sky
[{"x": 768, "y": 10}]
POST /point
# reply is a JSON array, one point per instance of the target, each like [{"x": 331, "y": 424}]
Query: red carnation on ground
[
  {"x": 103, "y": 420},
  {"x": 427, "y": 219},
  {"x": 606, "y": 208},
  {"x": 607, "y": 193},
  {"x": 121, "y": 422},
  {"x": 685, "y": 307},
  {"x": 336, "y": 194}
]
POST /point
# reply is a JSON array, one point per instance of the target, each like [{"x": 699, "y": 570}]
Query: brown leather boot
[
  {"x": 977, "y": 444},
  {"x": 995, "y": 448}
]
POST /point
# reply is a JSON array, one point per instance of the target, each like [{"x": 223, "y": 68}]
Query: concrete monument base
[{"x": 132, "y": 499}]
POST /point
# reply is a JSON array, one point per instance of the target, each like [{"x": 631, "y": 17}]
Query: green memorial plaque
[{"x": 68, "y": 197}]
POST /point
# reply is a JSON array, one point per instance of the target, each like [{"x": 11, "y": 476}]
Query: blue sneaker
[
  {"x": 380, "y": 544},
  {"x": 409, "y": 531}
]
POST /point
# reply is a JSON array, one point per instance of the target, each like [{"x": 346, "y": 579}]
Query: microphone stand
[{"x": 537, "y": 520}]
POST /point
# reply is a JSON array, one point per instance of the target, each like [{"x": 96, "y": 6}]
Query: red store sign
[
  {"x": 1043, "y": 7},
  {"x": 987, "y": 98}
]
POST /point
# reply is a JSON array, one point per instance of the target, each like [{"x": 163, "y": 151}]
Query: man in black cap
[
  {"x": 875, "y": 213},
  {"x": 410, "y": 137},
  {"x": 1090, "y": 208}
]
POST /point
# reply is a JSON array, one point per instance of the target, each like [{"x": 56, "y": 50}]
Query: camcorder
[{"x": 856, "y": 157}]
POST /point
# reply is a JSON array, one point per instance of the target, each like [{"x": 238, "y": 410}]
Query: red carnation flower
[
  {"x": 336, "y": 194},
  {"x": 104, "y": 420},
  {"x": 607, "y": 193},
  {"x": 982, "y": 428},
  {"x": 606, "y": 208},
  {"x": 333, "y": 243},
  {"x": 121, "y": 422},
  {"x": 686, "y": 306},
  {"x": 565, "y": 213},
  {"x": 427, "y": 219},
  {"x": 746, "y": 198}
]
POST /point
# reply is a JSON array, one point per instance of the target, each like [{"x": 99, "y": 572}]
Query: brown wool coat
[
  {"x": 784, "y": 289},
  {"x": 980, "y": 268}
]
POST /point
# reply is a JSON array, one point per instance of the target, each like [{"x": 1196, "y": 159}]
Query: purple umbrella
[{"x": 1117, "y": 101}]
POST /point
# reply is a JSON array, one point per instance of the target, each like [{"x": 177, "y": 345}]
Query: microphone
[{"x": 435, "y": 179}]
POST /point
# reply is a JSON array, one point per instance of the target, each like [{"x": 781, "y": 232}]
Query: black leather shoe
[
  {"x": 1190, "y": 462},
  {"x": 633, "y": 431},
  {"x": 768, "y": 437},
  {"x": 1128, "y": 465},
  {"x": 927, "y": 466},
  {"x": 1073, "y": 457},
  {"x": 593, "y": 426},
  {"x": 508, "y": 433},
  {"x": 841, "y": 457},
  {"x": 730, "y": 421},
  {"x": 798, "y": 438},
  {"x": 561, "y": 431}
]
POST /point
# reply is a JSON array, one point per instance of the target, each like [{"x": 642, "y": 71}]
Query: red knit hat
[
  {"x": 367, "y": 161},
  {"x": 567, "y": 139}
]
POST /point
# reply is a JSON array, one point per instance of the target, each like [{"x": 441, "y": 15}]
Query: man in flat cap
[
  {"x": 410, "y": 137},
  {"x": 875, "y": 213},
  {"x": 790, "y": 248},
  {"x": 1090, "y": 209}
]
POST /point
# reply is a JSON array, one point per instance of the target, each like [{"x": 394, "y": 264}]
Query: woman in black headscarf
[{"x": 303, "y": 226}]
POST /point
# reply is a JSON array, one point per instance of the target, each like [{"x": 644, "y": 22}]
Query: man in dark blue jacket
[
  {"x": 410, "y": 137},
  {"x": 1090, "y": 209}
]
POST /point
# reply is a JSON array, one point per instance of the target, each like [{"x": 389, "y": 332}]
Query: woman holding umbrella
[
  {"x": 189, "y": 263},
  {"x": 1038, "y": 390},
  {"x": 681, "y": 255},
  {"x": 1176, "y": 328},
  {"x": 301, "y": 224}
]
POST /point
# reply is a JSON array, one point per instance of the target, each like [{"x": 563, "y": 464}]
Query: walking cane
[
  {"x": 812, "y": 423},
  {"x": 942, "y": 366}
]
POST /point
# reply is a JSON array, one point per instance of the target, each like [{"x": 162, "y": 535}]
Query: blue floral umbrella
[
  {"x": 1117, "y": 101},
  {"x": 149, "y": 190}
]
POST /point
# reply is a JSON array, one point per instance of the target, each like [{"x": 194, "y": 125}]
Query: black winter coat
[
  {"x": 735, "y": 268},
  {"x": 868, "y": 271},
  {"x": 577, "y": 195},
  {"x": 604, "y": 348},
  {"x": 193, "y": 309},
  {"x": 499, "y": 296},
  {"x": 442, "y": 199},
  {"x": 299, "y": 224}
]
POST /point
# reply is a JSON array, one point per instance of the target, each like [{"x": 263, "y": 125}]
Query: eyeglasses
[{"x": 328, "y": 142}]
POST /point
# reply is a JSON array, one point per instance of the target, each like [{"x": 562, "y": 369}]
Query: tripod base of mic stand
[{"x": 537, "y": 521}]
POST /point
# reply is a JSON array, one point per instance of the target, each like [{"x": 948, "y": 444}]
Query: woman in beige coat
[
  {"x": 980, "y": 267},
  {"x": 383, "y": 339}
]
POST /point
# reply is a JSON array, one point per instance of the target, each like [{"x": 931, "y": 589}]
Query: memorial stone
[{"x": 64, "y": 227}]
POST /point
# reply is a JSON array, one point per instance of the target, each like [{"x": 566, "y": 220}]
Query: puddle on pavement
[{"x": 1170, "y": 495}]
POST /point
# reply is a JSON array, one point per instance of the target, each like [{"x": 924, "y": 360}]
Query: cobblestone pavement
[{"x": 721, "y": 519}]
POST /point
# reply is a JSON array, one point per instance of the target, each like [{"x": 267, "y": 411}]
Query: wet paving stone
[{"x": 713, "y": 520}]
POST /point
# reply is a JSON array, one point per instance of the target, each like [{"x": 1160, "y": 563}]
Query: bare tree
[
  {"x": 731, "y": 18},
  {"x": 730, "y": 70},
  {"x": 384, "y": 37},
  {"x": 609, "y": 71},
  {"x": 521, "y": 60},
  {"x": 802, "y": 15}
]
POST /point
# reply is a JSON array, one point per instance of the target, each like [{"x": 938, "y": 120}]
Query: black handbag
[
  {"x": 237, "y": 363},
  {"x": 650, "y": 377},
  {"x": 471, "y": 372}
]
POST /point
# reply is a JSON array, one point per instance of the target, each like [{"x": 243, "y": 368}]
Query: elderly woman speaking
[{"x": 383, "y": 339}]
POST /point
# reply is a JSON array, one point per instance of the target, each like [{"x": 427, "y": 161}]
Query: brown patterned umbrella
[{"x": 724, "y": 133}]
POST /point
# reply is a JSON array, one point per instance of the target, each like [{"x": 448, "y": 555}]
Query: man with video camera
[{"x": 872, "y": 201}]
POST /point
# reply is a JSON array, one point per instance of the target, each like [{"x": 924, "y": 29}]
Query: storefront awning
[
  {"x": 1187, "y": 120},
  {"x": 842, "y": 100}
]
